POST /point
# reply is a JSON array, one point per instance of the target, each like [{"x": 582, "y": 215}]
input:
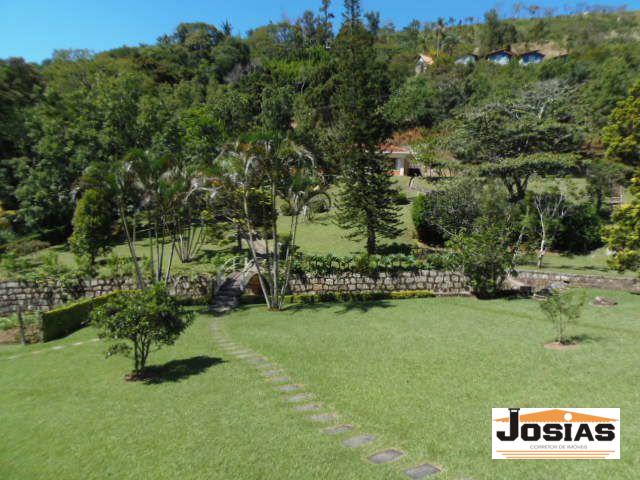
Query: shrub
[
  {"x": 365, "y": 264},
  {"x": 321, "y": 205},
  {"x": 144, "y": 318},
  {"x": 286, "y": 210},
  {"x": 440, "y": 214},
  {"x": 401, "y": 198},
  {"x": 11, "y": 321},
  {"x": 484, "y": 256},
  {"x": 26, "y": 246},
  {"x": 563, "y": 308},
  {"x": 18, "y": 268},
  {"x": 64, "y": 320},
  {"x": 118, "y": 267},
  {"x": 92, "y": 222},
  {"x": 579, "y": 230}
]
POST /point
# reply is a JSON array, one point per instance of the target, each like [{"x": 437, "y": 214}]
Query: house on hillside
[
  {"x": 500, "y": 57},
  {"x": 533, "y": 53},
  {"x": 531, "y": 58},
  {"x": 401, "y": 160},
  {"x": 468, "y": 59},
  {"x": 424, "y": 61}
]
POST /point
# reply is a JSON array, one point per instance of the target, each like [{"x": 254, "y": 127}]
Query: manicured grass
[
  {"x": 68, "y": 414},
  {"x": 322, "y": 236},
  {"x": 424, "y": 374},
  {"x": 421, "y": 375},
  {"x": 594, "y": 263}
]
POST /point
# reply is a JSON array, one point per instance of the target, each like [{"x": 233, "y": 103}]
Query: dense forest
[{"x": 204, "y": 86}]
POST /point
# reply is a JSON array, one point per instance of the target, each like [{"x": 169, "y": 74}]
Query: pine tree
[{"x": 366, "y": 198}]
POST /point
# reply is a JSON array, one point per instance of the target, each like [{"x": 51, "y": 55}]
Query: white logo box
[{"x": 555, "y": 433}]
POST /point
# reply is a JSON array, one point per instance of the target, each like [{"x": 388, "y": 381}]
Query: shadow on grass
[
  {"x": 345, "y": 307},
  {"x": 177, "y": 370},
  {"x": 583, "y": 338}
]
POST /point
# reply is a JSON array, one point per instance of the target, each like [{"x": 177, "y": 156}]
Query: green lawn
[
  {"x": 422, "y": 375},
  {"x": 68, "y": 414},
  {"x": 594, "y": 263}
]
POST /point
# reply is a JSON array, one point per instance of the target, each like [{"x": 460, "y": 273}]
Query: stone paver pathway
[
  {"x": 296, "y": 394},
  {"x": 50, "y": 349}
]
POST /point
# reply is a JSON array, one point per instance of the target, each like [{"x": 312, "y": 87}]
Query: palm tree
[
  {"x": 255, "y": 175},
  {"x": 439, "y": 28}
]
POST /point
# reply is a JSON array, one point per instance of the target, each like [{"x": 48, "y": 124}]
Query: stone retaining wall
[
  {"x": 436, "y": 281},
  {"x": 538, "y": 279},
  {"x": 38, "y": 296}
]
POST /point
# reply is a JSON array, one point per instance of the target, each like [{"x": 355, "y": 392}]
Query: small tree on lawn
[
  {"x": 139, "y": 321},
  {"x": 562, "y": 309}
]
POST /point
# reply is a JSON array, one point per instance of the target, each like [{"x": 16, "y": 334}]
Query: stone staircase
[{"x": 228, "y": 295}]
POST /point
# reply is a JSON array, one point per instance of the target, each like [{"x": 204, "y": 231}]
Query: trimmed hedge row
[
  {"x": 312, "y": 298},
  {"x": 64, "y": 320}
]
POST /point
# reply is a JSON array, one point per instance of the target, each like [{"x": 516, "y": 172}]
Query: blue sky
[{"x": 34, "y": 28}]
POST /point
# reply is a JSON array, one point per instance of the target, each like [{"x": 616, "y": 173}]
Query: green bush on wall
[
  {"x": 311, "y": 298},
  {"x": 64, "y": 320}
]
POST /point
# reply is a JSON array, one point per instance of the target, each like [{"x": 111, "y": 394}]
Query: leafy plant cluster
[{"x": 366, "y": 264}]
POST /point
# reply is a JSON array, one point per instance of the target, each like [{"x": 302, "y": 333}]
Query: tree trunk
[
  {"x": 132, "y": 248},
  {"x": 371, "y": 240},
  {"x": 542, "y": 251},
  {"x": 23, "y": 340},
  {"x": 276, "y": 255},
  {"x": 254, "y": 255},
  {"x": 238, "y": 239}
]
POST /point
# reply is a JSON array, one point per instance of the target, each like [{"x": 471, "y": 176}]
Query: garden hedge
[
  {"x": 311, "y": 298},
  {"x": 64, "y": 320}
]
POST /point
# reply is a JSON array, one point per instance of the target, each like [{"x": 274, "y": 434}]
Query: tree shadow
[
  {"x": 584, "y": 338},
  {"x": 395, "y": 247},
  {"x": 177, "y": 370},
  {"x": 346, "y": 307}
]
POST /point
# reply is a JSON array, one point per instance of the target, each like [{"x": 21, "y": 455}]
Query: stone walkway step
[
  {"x": 386, "y": 456},
  {"x": 323, "y": 417},
  {"x": 299, "y": 397},
  {"x": 358, "y": 441},
  {"x": 422, "y": 471},
  {"x": 289, "y": 388},
  {"x": 309, "y": 407},
  {"x": 338, "y": 429}
]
